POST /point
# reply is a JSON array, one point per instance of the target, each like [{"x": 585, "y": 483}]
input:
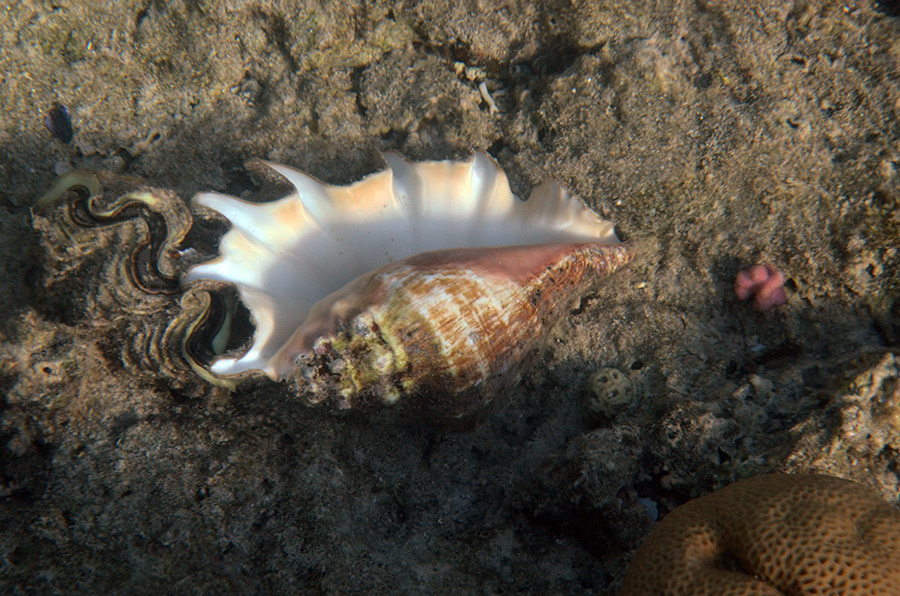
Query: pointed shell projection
[{"x": 427, "y": 286}]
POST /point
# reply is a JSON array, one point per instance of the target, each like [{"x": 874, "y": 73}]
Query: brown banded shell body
[{"x": 441, "y": 334}]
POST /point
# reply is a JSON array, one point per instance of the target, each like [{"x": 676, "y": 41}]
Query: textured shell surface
[
  {"x": 427, "y": 279},
  {"x": 449, "y": 329}
]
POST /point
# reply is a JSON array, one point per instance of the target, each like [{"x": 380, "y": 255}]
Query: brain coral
[{"x": 774, "y": 534}]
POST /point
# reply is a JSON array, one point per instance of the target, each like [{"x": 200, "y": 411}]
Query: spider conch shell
[{"x": 427, "y": 285}]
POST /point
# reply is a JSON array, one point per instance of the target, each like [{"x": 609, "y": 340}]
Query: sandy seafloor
[{"x": 715, "y": 134}]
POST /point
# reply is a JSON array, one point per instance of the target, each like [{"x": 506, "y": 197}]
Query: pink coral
[{"x": 763, "y": 283}]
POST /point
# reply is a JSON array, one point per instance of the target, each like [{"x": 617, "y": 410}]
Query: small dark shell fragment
[{"x": 59, "y": 122}]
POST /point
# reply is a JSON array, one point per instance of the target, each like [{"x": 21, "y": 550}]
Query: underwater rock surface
[{"x": 718, "y": 136}]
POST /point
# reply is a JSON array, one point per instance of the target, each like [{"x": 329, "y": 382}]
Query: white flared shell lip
[{"x": 286, "y": 255}]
